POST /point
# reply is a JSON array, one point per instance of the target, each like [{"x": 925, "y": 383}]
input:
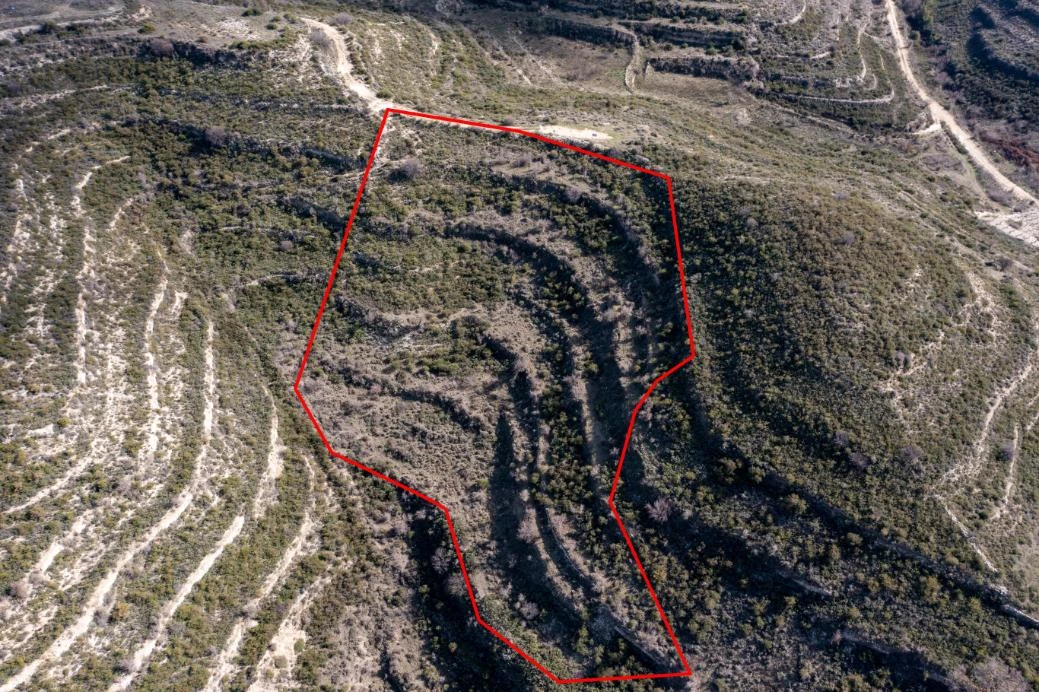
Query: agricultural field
[{"x": 840, "y": 491}]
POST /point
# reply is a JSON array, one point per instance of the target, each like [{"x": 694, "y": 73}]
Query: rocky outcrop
[
  {"x": 713, "y": 66},
  {"x": 698, "y": 35},
  {"x": 197, "y": 54},
  {"x": 580, "y": 31}
]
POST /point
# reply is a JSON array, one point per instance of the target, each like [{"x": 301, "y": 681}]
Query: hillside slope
[{"x": 839, "y": 492}]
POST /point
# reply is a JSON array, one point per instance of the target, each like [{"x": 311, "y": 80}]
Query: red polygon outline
[{"x": 686, "y": 670}]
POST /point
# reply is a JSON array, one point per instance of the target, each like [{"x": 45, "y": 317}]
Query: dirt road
[
  {"x": 940, "y": 115},
  {"x": 343, "y": 69}
]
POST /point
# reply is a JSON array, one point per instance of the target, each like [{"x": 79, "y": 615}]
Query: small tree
[
  {"x": 410, "y": 169},
  {"x": 448, "y": 7},
  {"x": 442, "y": 560},
  {"x": 526, "y": 609},
  {"x": 161, "y": 48},
  {"x": 902, "y": 360},
  {"x": 1006, "y": 451},
  {"x": 796, "y": 504},
  {"x": 215, "y": 136},
  {"x": 858, "y": 461},
  {"x": 911, "y": 453},
  {"x": 19, "y": 589}
]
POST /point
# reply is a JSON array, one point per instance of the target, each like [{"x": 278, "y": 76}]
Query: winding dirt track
[
  {"x": 941, "y": 115},
  {"x": 343, "y": 69}
]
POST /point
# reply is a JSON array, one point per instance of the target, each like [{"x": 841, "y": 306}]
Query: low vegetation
[{"x": 839, "y": 492}]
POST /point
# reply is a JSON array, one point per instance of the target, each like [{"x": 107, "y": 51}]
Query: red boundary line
[{"x": 686, "y": 670}]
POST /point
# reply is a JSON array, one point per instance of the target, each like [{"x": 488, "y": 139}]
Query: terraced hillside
[
  {"x": 483, "y": 350},
  {"x": 840, "y": 491}
]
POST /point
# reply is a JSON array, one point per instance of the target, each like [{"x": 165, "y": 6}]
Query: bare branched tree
[
  {"x": 526, "y": 609},
  {"x": 660, "y": 509},
  {"x": 443, "y": 560},
  {"x": 320, "y": 39},
  {"x": 997, "y": 676}
]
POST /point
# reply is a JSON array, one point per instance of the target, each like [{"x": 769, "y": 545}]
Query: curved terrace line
[{"x": 686, "y": 670}]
